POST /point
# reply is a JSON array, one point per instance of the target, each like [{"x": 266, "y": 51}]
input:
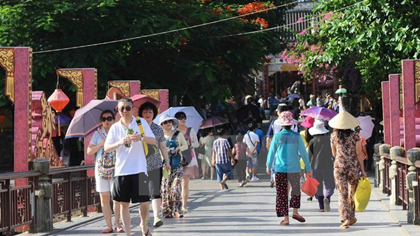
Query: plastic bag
[
  {"x": 165, "y": 173},
  {"x": 362, "y": 195},
  {"x": 310, "y": 186}
]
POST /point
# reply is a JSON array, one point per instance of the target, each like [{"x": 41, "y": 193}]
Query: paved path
[{"x": 250, "y": 211}]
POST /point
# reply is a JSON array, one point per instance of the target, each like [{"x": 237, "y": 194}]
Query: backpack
[
  {"x": 174, "y": 157},
  {"x": 106, "y": 165}
]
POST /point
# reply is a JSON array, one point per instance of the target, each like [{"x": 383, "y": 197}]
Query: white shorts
[{"x": 103, "y": 185}]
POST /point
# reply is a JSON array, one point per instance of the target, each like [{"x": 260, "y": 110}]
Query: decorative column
[
  {"x": 394, "y": 152},
  {"x": 409, "y": 102},
  {"x": 413, "y": 155},
  {"x": 383, "y": 149},
  {"x": 161, "y": 95},
  {"x": 17, "y": 63},
  {"x": 386, "y": 112},
  {"x": 128, "y": 87},
  {"x": 43, "y": 195},
  {"x": 86, "y": 82},
  {"x": 376, "y": 158},
  {"x": 394, "y": 107}
]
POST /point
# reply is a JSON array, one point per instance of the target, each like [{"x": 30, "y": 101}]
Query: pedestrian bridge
[{"x": 251, "y": 211}]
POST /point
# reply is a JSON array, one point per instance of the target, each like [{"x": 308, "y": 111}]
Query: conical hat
[{"x": 343, "y": 120}]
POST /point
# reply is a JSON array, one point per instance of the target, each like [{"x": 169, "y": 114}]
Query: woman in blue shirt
[{"x": 286, "y": 149}]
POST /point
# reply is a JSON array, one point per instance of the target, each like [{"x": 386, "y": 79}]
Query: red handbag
[{"x": 310, "y": 186}]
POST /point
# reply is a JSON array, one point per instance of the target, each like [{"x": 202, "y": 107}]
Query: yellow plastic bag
[
  {"x": 165, "y": 173},
  {"x": 362, "y": 195}
]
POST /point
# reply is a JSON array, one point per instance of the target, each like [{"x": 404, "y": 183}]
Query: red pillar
[
  {"x": 386, "y": 112},
  {"x": 394, "y": 107},
  {"x": 409, "y": 101},
  {"x": 89, "y": 93}
]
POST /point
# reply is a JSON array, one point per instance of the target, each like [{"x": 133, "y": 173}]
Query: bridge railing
[
  {"x": 397, "y": 174},
  {"x": 49, "y": 193}
]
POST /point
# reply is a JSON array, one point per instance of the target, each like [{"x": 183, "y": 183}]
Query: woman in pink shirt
[{"x": 239, "y": 152}]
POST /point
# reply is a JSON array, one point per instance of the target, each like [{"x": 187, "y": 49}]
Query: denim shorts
[
  {"x": 223, "y": 169},
  {"x": 250, "y": 163}
]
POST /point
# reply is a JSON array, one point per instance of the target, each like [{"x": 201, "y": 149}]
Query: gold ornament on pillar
[{"x": 58, "y": 100}]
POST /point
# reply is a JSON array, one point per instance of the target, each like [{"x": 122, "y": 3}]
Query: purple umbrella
[
  {"x": 320, "y": 113},
  {"x": 86, "y": 120},
  {"x": 213, "y": 121},
  {"x": 63, "y": 119}
]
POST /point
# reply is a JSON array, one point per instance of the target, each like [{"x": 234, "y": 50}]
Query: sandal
[
  {"x": 299, "y": 218},
  {"x": 352, "y": 222},
  {"x": 345, "y": 225},
  {"x": 178, "y": 215},
  {"x": 147, "y": 233},
  {"x": 284, "y": 223},
  {"x": 119, "y": 230},
  {"x": 107, "y": 231}
]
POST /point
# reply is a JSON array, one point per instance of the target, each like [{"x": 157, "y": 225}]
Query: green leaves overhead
[{"x": 373, "y": 34}]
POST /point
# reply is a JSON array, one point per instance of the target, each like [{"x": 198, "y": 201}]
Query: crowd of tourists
[{"x": 155, "y": 162}]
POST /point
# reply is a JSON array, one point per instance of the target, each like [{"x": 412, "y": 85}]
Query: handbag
[
  {"x": 106, "y": 165},
  {"x": 149, "y": 149},
  {"x": 187, "y": 155}
]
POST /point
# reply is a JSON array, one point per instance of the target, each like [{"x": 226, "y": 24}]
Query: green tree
[
  {"x": 364, "y": 42},
  {"x": 195, "y": 64}
]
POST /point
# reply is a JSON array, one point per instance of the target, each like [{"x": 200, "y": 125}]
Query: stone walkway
[{"x": 249, "y": 211}]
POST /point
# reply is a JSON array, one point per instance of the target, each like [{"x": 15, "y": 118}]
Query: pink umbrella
[
  {"x": 213, "y": 121},
  {"x": 319, "y": 113},
  {"x": 87, "y": 119},
  {"x": 140, "y": 99}
]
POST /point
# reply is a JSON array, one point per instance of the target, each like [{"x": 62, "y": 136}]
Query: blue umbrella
[
  {"x": 63, "y": 119},
  {"x": 293, "y": 96}
]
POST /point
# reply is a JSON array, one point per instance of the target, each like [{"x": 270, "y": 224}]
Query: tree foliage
[
  {"x": 196, "y": 63},
  {"x": 365, "y": 42}
]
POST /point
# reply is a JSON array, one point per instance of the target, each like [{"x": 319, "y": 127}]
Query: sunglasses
[
  {"x": 126, "y": 108},
  {"x": 166, "y": 122},
  {"x": 182, "y": 118},
  {"x": 108, "y": 118}
]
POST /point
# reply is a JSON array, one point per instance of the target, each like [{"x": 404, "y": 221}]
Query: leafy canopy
[
  {"x": 196, "y": 63},
  {"x": 364, "y": 43}
]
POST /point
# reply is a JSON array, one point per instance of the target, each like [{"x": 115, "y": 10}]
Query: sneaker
[
  {"x": 254, "y": 179},
  {"x": 158, "y": 222},
  {"x": 327, "y": 207},
  {"x": 248, "y": 177}
]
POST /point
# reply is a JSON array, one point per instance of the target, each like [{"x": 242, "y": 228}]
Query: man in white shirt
[
  {"x": 130, "y": 181},
  {"x": 251, "y": 140}
]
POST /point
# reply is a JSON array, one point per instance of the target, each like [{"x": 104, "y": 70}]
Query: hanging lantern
[
  {"x": 2, "y": 118},
  {"x": 58, "y": 100}
]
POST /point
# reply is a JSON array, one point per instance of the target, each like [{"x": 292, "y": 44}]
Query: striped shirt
[{"x": 221, "y": 147}]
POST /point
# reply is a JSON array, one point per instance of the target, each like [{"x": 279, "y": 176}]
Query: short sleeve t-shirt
[
  {"x": 130, "y": 160},
  {"x": 250, "y": 139},
  {"x": 97, "y": 139}
]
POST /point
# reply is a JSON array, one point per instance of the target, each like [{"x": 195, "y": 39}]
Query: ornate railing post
[
  {"x": 383, "y": 150},
  {"x": 393, "y": 153},
  {"x": 43, "y": 194},
  {"x": 412, "y": 156},
  {"x": 376, "y": 158}
]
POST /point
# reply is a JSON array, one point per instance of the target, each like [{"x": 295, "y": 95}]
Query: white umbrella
[
  {"x": 193, "y": 117},
  {"x": 367, "y": 125}
]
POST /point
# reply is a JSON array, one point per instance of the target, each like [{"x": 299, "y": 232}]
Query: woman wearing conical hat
[{"x": 345, "y": 144}]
